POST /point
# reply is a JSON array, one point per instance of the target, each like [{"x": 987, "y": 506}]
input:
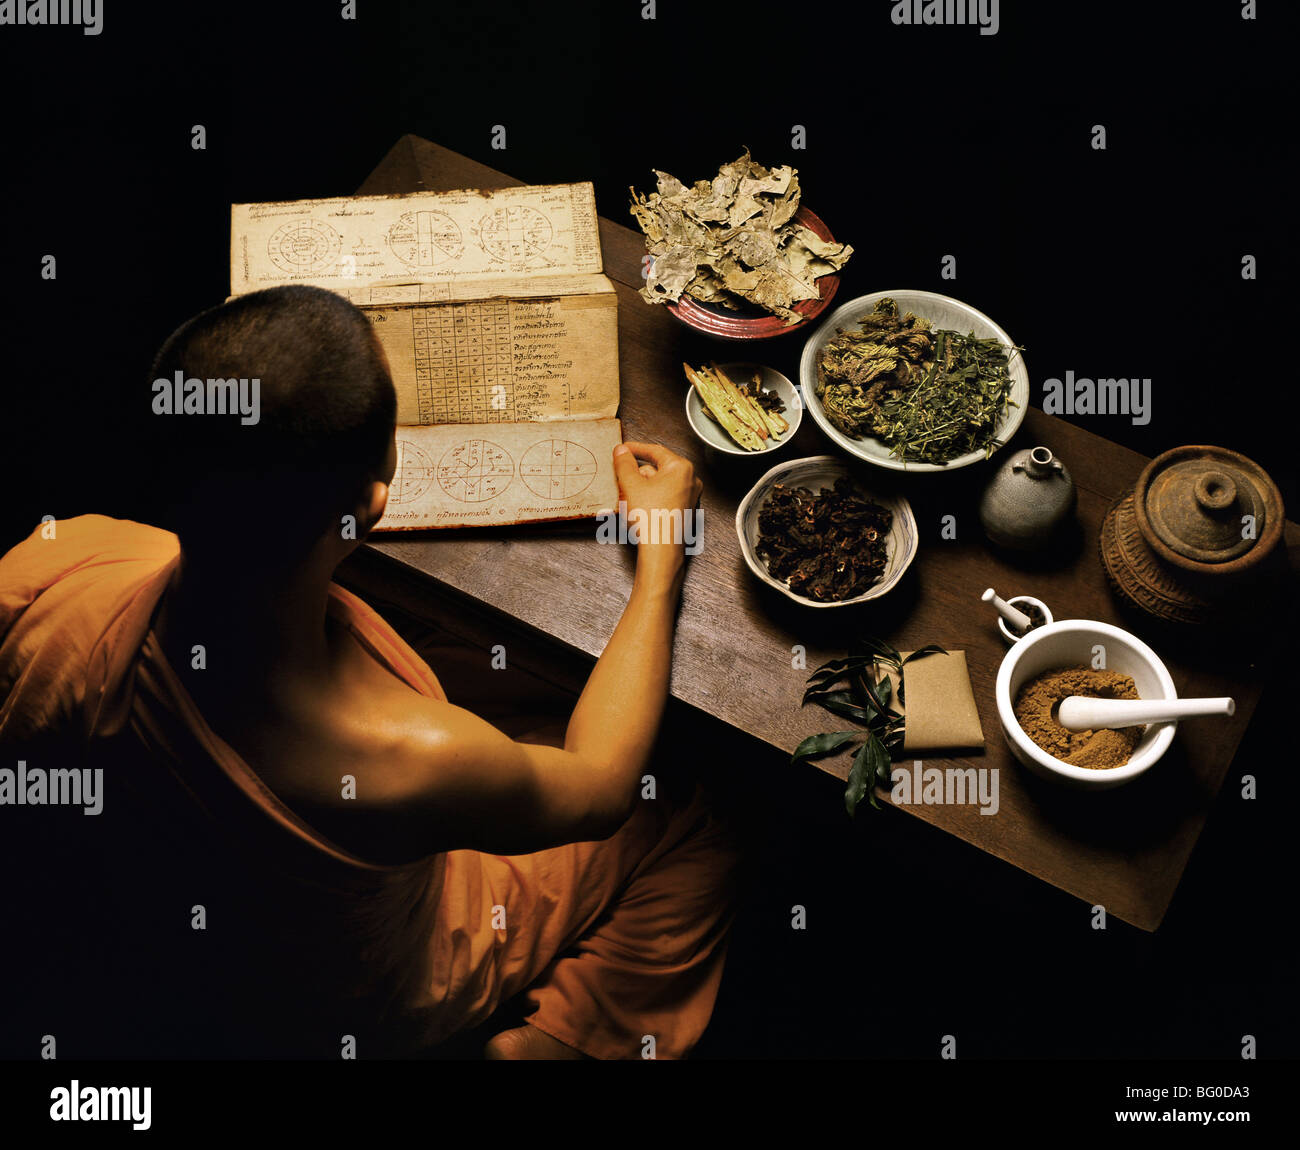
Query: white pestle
[
  {"x": 1018, "y": 619},
  {"x": 1078, "y": 713}
]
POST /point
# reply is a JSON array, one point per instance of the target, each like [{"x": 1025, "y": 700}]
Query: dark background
[{"x": 921, "y": 142}]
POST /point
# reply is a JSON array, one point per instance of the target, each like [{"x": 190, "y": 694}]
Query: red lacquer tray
[{"x": 750, "y": 323}]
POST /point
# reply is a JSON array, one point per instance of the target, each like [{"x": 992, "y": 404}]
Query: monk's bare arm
[
  {"x": 468, "y": 785},
  {"x": 465, "y": 784},
  {"x": 618, "y": 713}
]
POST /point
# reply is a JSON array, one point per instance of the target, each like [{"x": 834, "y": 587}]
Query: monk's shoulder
[
  {"x": 387, "y": 781},
  {"x": 378, "y": 746}
]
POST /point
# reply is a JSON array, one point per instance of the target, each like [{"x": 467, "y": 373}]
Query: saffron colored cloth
[{"x": 616, "y": 942}]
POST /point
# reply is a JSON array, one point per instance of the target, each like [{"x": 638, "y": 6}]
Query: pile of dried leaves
[
  {"x": 732, "y": 239},
  {"x": 827, "y": 547}
]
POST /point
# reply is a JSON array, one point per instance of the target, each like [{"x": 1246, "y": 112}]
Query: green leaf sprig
[
  {"x": 956, "y": 407},
  {"x": 847, "y": 687}
]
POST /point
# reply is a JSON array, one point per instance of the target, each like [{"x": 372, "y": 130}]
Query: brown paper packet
[{"x": 940, "y": 708}]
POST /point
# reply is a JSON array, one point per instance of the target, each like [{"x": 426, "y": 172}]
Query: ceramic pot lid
[{"x": 1208, "y": 509}]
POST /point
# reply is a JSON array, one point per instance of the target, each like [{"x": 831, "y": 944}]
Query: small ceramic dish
[
  {"x": 712, "y": 434},
  {"x": 1019, "y": 601},
  {"x": 818, "y": 472}
]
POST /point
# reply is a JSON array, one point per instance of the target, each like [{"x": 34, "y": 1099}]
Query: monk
[{"x": 393, "y": 861}]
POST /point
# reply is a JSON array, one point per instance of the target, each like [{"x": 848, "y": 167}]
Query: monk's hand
[{"x": 661, "y": 496}]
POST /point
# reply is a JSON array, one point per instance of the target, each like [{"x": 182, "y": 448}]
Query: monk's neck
[{"x": 248, "y": 625}]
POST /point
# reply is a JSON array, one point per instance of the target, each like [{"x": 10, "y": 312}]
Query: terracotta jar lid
[{"x": 1208, "y": 510}]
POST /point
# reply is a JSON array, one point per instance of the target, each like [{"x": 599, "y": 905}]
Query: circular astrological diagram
[
  {"x": 413, "y": 476},
  {"x": 557, "y": 468},
  {"x": 305, "y": 247},
  {"x": 517, "y": 235},
  {"x": 475, "y": 471},
  {"x": 426, "y": 239}
]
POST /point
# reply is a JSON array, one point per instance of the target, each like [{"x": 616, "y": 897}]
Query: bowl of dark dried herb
[
  {"x": 914, "y": 381},
  {"x": 815, "y": 531}
]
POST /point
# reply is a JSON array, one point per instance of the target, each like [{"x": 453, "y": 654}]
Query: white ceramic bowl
[
  {"x": 1009, "y": 636},
  {"x": 1071, "y": 643},
  {"x": 943, "y": 312},
  {"x": 818, "y": 472},
  {"x": 713, "y": 435}
]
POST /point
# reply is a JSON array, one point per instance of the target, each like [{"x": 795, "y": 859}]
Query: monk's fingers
[
  {"x": 657, "y": 453},
  {"x": 625, "y": 466}
]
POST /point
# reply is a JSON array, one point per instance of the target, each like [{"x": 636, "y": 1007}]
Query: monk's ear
[{"x": 375, "y": 500}]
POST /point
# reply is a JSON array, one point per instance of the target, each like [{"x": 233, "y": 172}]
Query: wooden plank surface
[{"x": 737, "y": 641}]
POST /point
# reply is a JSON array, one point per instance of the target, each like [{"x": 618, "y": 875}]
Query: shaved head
[{"x": 323, "y": 432}]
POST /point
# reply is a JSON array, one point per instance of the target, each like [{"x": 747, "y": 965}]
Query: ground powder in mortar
[{"x": 1035, "y": 712}]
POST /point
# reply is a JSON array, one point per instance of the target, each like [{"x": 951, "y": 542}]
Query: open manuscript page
[{"x": 494, "y": 315}]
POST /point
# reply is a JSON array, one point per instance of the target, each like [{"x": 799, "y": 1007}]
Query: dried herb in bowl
[
  {"x": 827, "y": 547},
  {"x": 930, "y": 396},
  {"x": 747, "y": 413}
]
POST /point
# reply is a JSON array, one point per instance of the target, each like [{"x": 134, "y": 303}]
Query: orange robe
[{"x": 616, "y": 942}]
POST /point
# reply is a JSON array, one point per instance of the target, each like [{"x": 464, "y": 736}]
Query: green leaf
[
  {"x": 881, "y": 649},
  {"x": 878, "y": 763},
  {"x": 928, "y": 649},
  {"x": 838, "y": 703},
  {"x": 867, "y": 702},
  {"x": 858, "y": 784},
  {"x": 871, "y": 766},
  {"x": 835, "y": 667},
  {"x": 885, "y": 689},
  {"x": 870, "y": 689},
  {"x": 815, "y": 746},
  {"x": 894, "y": 732},
  {"x": 823, "y": 686},
  {"x": 884, "y": 765},
  {"x": 856, "y": 688},
  {"x": 826, "y": 682}
]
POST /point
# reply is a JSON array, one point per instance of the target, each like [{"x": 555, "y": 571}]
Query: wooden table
[{"x": 1124, "y": 849}]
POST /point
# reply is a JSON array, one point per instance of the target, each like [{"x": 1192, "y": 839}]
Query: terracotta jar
[
  {"x": 1028, "y": 499},
  {"x": 1194, "y": 531}
]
